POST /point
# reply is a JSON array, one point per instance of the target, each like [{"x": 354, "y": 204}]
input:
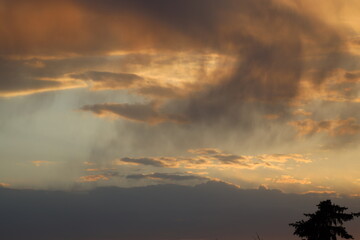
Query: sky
[{"x": 136, "y": 94}]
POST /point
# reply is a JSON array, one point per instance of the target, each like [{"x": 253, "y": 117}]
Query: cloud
[
  {"x": 144, "y": 161},
  {"x": 214, "y": 158},
  {"x": 167, "y": 177},
  {"x": 301, "y": 112},
  {"x": 105, "y": 175},
  {"x": 199, "y": 162},
  {"x": 4, "y": 185},
  {"x": 108, "y": 80},
  {"x": 166, "y": 162},
  {"x": 339, "y": 86},
  {"x": 39, "y": 163},
  {"x": 98, "y": 169},
  {"x": 322, "y": 192},
  {"x": 147, "y": 113},
  {"x": 93, "y": 178},
  {"x": 258, "y": 65},
  {"x": 286, "y": 179},
  {"x": 156, "y": 75},
  {"x": 275, "y": 161},
  {"x": 338, "y": 127},
  {"x": 231, "y": 159},
  {"x": 284, "y": 158},
  {"x": 161, "y": 92},
  {"x": 353, "y": 76},
  {"x": 17, "y": 78}
]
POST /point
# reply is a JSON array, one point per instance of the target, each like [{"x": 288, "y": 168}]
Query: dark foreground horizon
[{"x": 213, "y": 210}]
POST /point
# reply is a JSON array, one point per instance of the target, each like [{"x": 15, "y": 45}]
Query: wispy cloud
[
  {"x": 337, "y": 127},
  {"x": 93, "y": 178},
  {"x": 167, "y": 176},
  {"x": 103, "y": 175},
  {"x": 215, "y": 158},
  {"x": 287, "y": 179},
  {"x": 4, "y": 185},
  {"x": 39, "y": 163},
  {"x": 147, "y": 113},
  {"x": 107, "y": 80}
]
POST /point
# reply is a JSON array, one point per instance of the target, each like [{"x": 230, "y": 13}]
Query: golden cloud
[
  {"x": 320, "y": 192},
  {"x": 287, "y": 179},
  {"x": 93, "y": 178},
  {"x": 302, "y": 112}
]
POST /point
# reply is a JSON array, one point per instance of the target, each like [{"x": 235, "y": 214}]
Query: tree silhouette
[{"x": 325, "y": 224}]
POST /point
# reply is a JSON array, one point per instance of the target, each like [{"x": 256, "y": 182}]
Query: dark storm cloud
[
  {"x": 83, "y": 27},
  {"x": 269, "y": 66},
  {"x": 162, "y": 212}
]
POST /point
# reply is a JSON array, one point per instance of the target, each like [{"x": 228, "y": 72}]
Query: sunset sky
[{"x": 248, "y": 95}]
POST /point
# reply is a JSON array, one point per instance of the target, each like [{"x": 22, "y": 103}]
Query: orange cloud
[
  {"x": 302, "y": 112},
  {"x": 98, "y": 169},
  {"x": 286, "y": 179},
  {"x": 39, "y": 163},
  {"x": 320, "y": 192},
  {"x": 283, "y": 158},
  {"x": 93, "y": 178},
  {"x": 4, "y": 185}
]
